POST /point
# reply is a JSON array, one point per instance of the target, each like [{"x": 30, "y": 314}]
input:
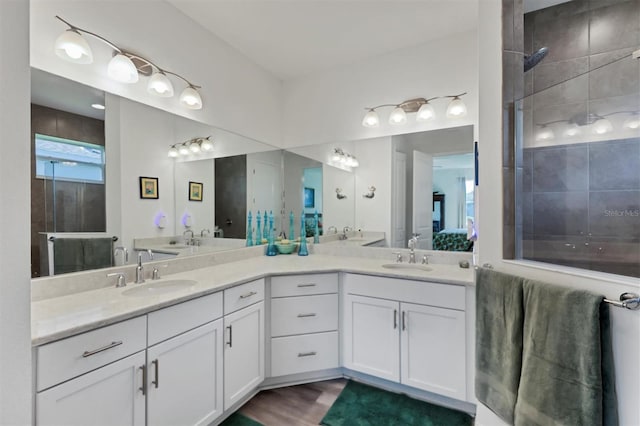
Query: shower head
[{"x": 532, "y": 60}]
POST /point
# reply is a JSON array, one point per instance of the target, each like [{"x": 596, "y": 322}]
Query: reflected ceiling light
[
  {"x": 206, "y": 144},
  {"x": 97, "y": 106},
  {"x": 545, "y": 133},
  {"x": 602, "y": 126},
  {"x": 192, "y": 146},
  {"x": 572, "y": 130},
  {"x": 632, "y": 122},
  {"x": 342, "y": 158},
  {"x": 173, "y": 152},
  {"x": 183, "y": 149},
  {"x": 125, "y": 66},
  {"x": 421, "y": 106}
]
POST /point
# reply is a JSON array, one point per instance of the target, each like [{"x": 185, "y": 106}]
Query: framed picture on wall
[
  {"x": 309, "y": 197},
  {"x": 149, "y": 187},
  {"x": 195, "y": 191}
]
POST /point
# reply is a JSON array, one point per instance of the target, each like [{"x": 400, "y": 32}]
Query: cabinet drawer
[
  {"x": 304, "y": 285},
  {"x": 243, "y": 295},
  {"x": 171, "y": 321},
  {"x": 299, "y": 354},
  {"x": 306, "y": 314},
  {"x": 71, "y": 357}
]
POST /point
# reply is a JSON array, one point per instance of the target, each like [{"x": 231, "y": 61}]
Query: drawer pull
[
  {"x": 306, "y": 315},
  {"x": 303, "y": 354},
  {"x": 307, "y": 285},
  {"x": 156, "y": 382},
  {"x": 102, "y": 349},
  {"x": 251, "y": 293},
  {"x": 143, "y": 388}
]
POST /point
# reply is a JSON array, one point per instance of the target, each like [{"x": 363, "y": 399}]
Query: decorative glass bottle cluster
[{"x": 264, "y": 232}]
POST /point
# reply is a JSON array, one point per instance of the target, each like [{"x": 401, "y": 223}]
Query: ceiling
[{"x": 293, "y": 38}]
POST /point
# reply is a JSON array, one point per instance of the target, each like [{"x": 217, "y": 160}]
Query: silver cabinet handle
[
  {"x": 102, "y": 349},
  {"x": 395, "y": 319},
  {"x": 143, "y": 388},
  {"x": 230, "y": 336},
  {"x": 306, "y": 315},
  {"x": 303, "y": 354},
  {"x": 307, "y": 285},
  {"x": 404, "y": 323},
  {"x": 156, "y": 382},
  {"x": 251, "y": 293}
]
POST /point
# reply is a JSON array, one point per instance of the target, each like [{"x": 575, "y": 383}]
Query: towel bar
[
  {"x": 114, "y": 238},
  {"x": 627, "y": 300}
]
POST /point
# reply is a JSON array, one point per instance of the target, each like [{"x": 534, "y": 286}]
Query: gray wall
[{"x": 231, "y": 195}]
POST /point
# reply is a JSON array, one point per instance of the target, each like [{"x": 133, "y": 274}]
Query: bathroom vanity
[{"x": 192, "y": 347}]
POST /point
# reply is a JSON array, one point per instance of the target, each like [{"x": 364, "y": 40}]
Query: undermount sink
[
  {"x": 409, "y": 266},
  {"x": 159, "y": 287},
  {"x": 175, "y": 246}
]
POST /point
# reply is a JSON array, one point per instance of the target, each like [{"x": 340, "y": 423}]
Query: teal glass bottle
[
  {"x": 258, "y": 231},
  {"x": 249, "y": 231},
  {"x": 265, "y": 230},
  {"x": 316, "y": 232},
  {"x": 302, "y": 250},
  {"x": 272, "y": 250},
  {"x": 292, "y": 235}
]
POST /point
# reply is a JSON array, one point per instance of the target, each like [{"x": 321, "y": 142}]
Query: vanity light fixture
[
  {"x": 421, "y": 106},
  {"x": 192, "y": 146},
  {"x": 596, "y": 123},
  {"x": 342, "y": 158},
  {"x": 125, "y": 66}
]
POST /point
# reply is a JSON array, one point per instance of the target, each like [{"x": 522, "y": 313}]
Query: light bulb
[
  {"x": 545, "y": 134},
  {"x": 122, "y": 69},
  {"x": 194, "y": 147},
  {"x": 160, "y": 85},
  {"x": 355, "y": 162},
  {"x": 456, "y": 108},
  {"x": 190, "y": 98},
  {"x": 371, "y": 119},
  {"x": 572, "y": 130},
  {"x": 602, "y": 126},
  {"x": 173, "y": 152},
  {"x": 425, "y": 112},
  {"x": 398, "y": 116},
  {"x": 632, "y": 122},
  {"x": 71, "y": 46},
  {"x": 206, "y": 144},
  {"x": 335, "y": 157},
  {"x": 183, "y": 150}
]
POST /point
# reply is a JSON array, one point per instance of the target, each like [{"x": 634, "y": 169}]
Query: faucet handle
[
  {"x": 155, "y": 274},
  {"x": 398, "y": 256},
  {"x": 425, "y": 259},
  {"x": 121, "y": 279}
]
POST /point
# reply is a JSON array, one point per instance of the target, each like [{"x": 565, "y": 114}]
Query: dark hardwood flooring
[{"x": 301, "y": 405}]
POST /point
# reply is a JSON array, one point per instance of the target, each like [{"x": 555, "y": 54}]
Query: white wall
[
  {"x": 329, "y": 106},
  {"x": 338, "y": 212},
  {"x": 626, "y": 324},
  {"x": 201, "y": 212},
  {"x": 15, "y": 291},
  {"x": 233, "y": 87}
]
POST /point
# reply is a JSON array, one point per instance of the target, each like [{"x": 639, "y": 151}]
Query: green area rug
[
  {"x": 237, "y": 419},
  {"x": 362, "y": 405}
]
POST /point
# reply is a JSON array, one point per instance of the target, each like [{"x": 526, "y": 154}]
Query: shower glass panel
[{"x": 578, "y": 137}]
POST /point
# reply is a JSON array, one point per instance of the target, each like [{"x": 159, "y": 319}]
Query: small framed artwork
[
  {"x": 195, "y": 191},
  {"x": 149, "y": 187},
  {"x": 309, "y": 197}
]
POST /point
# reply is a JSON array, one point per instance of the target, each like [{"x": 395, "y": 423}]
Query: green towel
[
  {"x": 67, "y": 255},
  {"x": 98, "y": 253},
  {"x": 499, "y": 322},
  {"x": 567, "y": 367}
]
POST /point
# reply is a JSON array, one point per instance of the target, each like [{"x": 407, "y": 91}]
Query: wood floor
[{"x": 302, "y": 405}]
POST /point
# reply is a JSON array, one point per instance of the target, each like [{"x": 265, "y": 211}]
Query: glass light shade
[
  {"x": 122, "y": 69},
  {"x": 602, "y": 126},
  {"x": 173, "y": 152},
  {"x": 456, "y": 108},
  {"x": 183, "y": 150},
  {"x": 398, "y": 116},
  {"x": 425, "y": 112},
  {"x": 335, "y": 157},
  {"x": 71, "y": 46},
  {"x": 206, "y": 145},
  {"x": 572, "y": 130},
  {"x": 160, "y": 85},
  {"x": 371, "y": 119},
  {"x": 194, "y": 147},
  {"x": 190, "y": 98},
  {"x": 545, "y": 134},
  {"x": 355, "y": 162},
  {"x": 632, "y": 123}
]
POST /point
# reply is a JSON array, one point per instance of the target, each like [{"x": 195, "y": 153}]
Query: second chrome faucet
[{"x": 140, "y": 268}]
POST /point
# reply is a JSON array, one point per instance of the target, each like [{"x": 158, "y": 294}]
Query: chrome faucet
[
  {"x": 140, "y": 268},
  {"x": 125, "y": 254},
  {"x": 207, "y": 231},
  {"x": 332, "y": 228},
  {"x": 412, "y": 246},
  {"x": 346, "y": 229},
  {"x": 184, "y": 235}
]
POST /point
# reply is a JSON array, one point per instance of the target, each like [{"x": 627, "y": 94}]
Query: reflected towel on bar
[
  {"x": 567, "y": 366},
  {"x": 98, "y": 253},
  {"x": 499, "y": 323},
  {"x": 68, "y": 255}
]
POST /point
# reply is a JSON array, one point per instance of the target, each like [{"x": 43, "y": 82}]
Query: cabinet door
[
  {"x": 371, "y": 336},
  {"x": 110, "y": 395},
  {"x": 184, "y": 378},
  {"x": 243, "y": 352},
  {"x": 433, "y": 349}
]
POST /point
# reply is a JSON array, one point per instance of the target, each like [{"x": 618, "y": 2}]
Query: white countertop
[{"x": 64, "y": 316}]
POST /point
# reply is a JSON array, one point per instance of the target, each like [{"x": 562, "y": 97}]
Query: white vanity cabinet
[
  {"x": 405, "y": 331},
  {"x": 244, "y": 340},
  {"x": 304, "y": 323}
]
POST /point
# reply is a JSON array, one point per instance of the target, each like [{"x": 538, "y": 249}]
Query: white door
[
  {"x": 422, "y": 222},
  {"x": 371, "y": 340},
  {"x": 185, "y": 378},
  {"x": 433, "y": 349},
  {"x": 243, "y": 352},
  {"x": 399, "y": 201},
  {"x": 110, "y": 395}
]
